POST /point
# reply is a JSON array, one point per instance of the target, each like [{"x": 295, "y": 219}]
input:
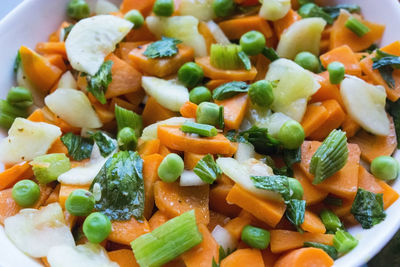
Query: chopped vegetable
[
  {"x": 274, "y": 9},
  {"x": 208, "y": 113},
  {"x": 229, "y": 90},
  {"x": 163, "y": 8},
  {"x": 127, "y": 139},
  {"x": 255, "y": 237},
  {"x": 201, "y": 9},
  {"x": 79, "y": 148},
  {"x": 226, "y": 57},
  {"x": 334, "y": 11},
  {"x": 223, "y": 8},
  {"x": 261, "y": 93},
  {"x": 330, "y": 220},
  {"x": 336, "y": 72},
  {"x": 80, "y": 202},
  {"x": 164, "y": 48},
  {"x": 98, "y": 84},
  {"x": 48, "y": 167},
  {"x": 308, "y": 61},
  {"x": 200, "y": 94},
  {"x": 312, "y": 10},
  {"x": 198, "y": 128},
  {"x": 26, "y": 193},
  {"x": 190, "y": 74},
  {"x": 207, "y": 169},
  {"x": 356, "y": 26},
  {"x": 135, "y": 17},
  {"x": 385, "y": 168},
  {"x": 19, "y": 97},
  {"x": 344, "y": 241},
  {"x": 96, "y": 227},
  {"x": 291, "y": 134},
  {"x": 252, "y": 42},
  {"x": 330, "y": 250},
  {"x": 78, "y": 9},
  {"x": 171, "y": 167},
  {"x": 128, "y": 118}
]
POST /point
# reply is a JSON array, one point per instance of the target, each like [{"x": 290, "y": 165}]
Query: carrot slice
[
  {"x": 14, "y": 174},
  {"x": 53, "y": 197},
  {"x": 282, "y": 24},
  {"x": 173, "y": 200},
  {"x": 344, "y": 182},
  {"x": 144, "y": 6},
  {"x": 346, "y": 56},
  {"x": 149, "y": 147},
  {"x": 269, "y": 257},
  {"x": 8, "y": 207},
  {"x": 124, "y": 48},
  {"x": 218, "y": 201},
  {"x": 327, "y": 90},
  {"x": 124, "y": 258},
  {"x": 283, "y": 240},
  {"x": 367, "y": 181},
  {"x": 373, "y": 146},
  {"x": 234, "y": 110},
  {"x": 202, "y": 254},
  {"x": 58, "y": 61},
  {"x": 188, "y": 110},
  {"x": 266, "y": 211},
  {"x": 312, "y": 195},
  {"x": 218, "y": 74},
  {"x": 154, "y": 112},
  {"x": 207, "y": 34},
  {"x": 150, "y": 176},
  {"x": 52, "y": 48},
  {"x": 143, "y": 34},
  {"x": 158, "y": 218},
  {"x": 350, "y": 127},
  {"x": 312, "y": 223},
  {"x": 236, "y": 225},
  {"x": 235, "y": 28},
  {"x": 389, "y": 194},
  {"x": 58, "y": 147},
  {"x": 305, "y": 257},
  {"x": 124, "y": 232},
  {"x": 173, "y": 137},
  {"x": 313, "y": 118},
  {"x": 212, "y": 84},
  {"x": 191, "y": 159},
  {"x": 244, "y": 257}
]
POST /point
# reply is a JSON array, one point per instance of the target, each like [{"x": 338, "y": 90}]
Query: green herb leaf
[
  {"x": 394, "y": 111},
  {"x": 295, "y": 210},
  {"x": 385, "y": 62},
  {"x": 67, "y": 30},
  {"x": 79, "y": 148},
  {"x": 98, "y": 84},
  {"x": 229, "y": 90},
  {"x": 334, "y": 11},
  {"x": 260, "y": 139},
  {"x": 333, "y": 201},
  {"x": 213, "y": 263},
  {"x": 270, "y": 53},
  {"x": 128, "y": 118},
  {"x": 207, "y": 169},
  {"x": 330, "y": 250},
  {"x": 275, "y": 183},
  {"x": 291, "y": 156},
  {"x": 368, "y": 209},
  {"x": 17, "y": 62},
  {"x": 166, "y": 47},
  {"x": 311, "y": 10},
  {"x": 121, "y": 186},
  {"x": 245, "y": 60},
  {"x": 105, "y": 143},
  {"x": 223, "y": 254}
]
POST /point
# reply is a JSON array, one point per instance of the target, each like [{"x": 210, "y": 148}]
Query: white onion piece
[
  {"x": 224, "y": 238},
  {"x": 217, "y": 33},
  {"x": 189, "y": 178},
  {"x": 244, "y": 152}
]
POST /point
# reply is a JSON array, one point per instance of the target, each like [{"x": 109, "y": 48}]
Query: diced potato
[
  {"x": 200, "y": 9},
  {"x": 67, "y": 80},
  {"x": 104, "y": 7},
  {"x": 274, "y": 9}
]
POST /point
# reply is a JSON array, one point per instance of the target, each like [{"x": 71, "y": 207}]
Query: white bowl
[{"x": 34, "y": 20}]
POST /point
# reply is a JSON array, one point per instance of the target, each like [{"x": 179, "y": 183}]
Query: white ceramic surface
[{"x": 34, "y": 20}]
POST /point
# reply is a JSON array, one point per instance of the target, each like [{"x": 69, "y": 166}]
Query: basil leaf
[
  {"x": 330, "y": 250},
  {"x": 105, "y": 143},
  {"x": 245, "y": 60},
  {"x": 166, "y": 47},
  {"x": 121, "y": 186},
  {"x": 229, "y": 90},
  {"x": 128, "y": 118},
  {"x": 207, "y": 169},
  {"x": 98, "y": 84},
  {"x": 260, "y": 139},
  {"x": 275, "y": 183},
  {"x": 79, "y": 148},
  {"x": 334, "y": 11},
  {"x": 385, "y": 62},
  {"x": 394, "y": 111},
  {"x": 295, "y": 210},
  {"x": 368, "y": 209}
]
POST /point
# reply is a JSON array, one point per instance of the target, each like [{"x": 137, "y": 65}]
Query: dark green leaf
[
  {"x": 387, "y": 75},
  {"x": 333, "y": 201},
  {"x": 245, "y": 60},
  {"x": 330, "y": 250},
  {"x": 260, "y": 139},
  {"x": 166, "y": 47},
  {"x": 128, "y": 118},
  {"x": 98, "y": 84},
  {"x": 334, "y": 11},
  {"x": 223, "y": 254},
  {"x": 371, "y": 48},
  {"x": 207, "y": 169},
  {"x": 214, "y": 264},
  {"x": 385, "y": 62},
  {"x": 229, "y": 90},
  {"x": 105, "y": 143},
  {"x": 17, "y": 62},
  {"x": 79, "y": 148},
  {"x": 295, "y": 210},
  {"x": 67, "y": 30},
  {"x": 270, "y": 53},
  {"x": 291, "y": 156},
  {"x": 394, "y": 111},
  {"x": 275, "y": 183},
  {"x": 121, "y": 186},
  {"x": 368, "y": 209}
]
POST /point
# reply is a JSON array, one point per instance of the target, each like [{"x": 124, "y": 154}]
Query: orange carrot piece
[
  {"x": 207, "y": 34},
  {"x": 8, "y": 207},
  {"x": 312, "y": 223},
  {"x": 282, "y": 24},
  {"x": 104, "y": 112},
  {"x": 235, "y": 28},
  {"x": 202, "y": 254},
  {"x": 53, "y": 197},
  {"x": 173, "y": 200},
  {"x": 38, "y": 116},
  {"x": 216, "y": 219},
  {"x": 124, "y": 232},
  {"x": 269, "y": 257},
  {"x": 124, "y": 48},
  {"x": 122, "y": 103},
  {"x": 52, "y": 48},
  {"x": 212, "y": 84},
  {"x": 244, "y": 257},
  {"x": 327, "y": 90},
  {"x": 191, "y": 159},
  {"x": 230, "y": 75},
  {"x": 305, "y": 257},
  {"x": 346, "y": 56},
  {"x": 45, "y": 192},
  {"x": 225, "y": 180},
  {"x": 14, "y": 174},
  {"x": 65, "y": 190},
  {"x": 150, "y": 176},
  {"x": 236, "y": 225},
  {"x": 136, "y": 98},
  {"x": 266, "y": 211},
  {"x": 58, "y": 61},
  {"x": 143, "y": 34},
  {"x": 154, "y": 112},
  {"x": 315, "y": 115},
  {"x": 234, "y": 110},
  {"x": 262, "y": 66},
  {"x": 149, "y": 147},
  {"x": 188, "y": 110},
  {"x": 160, "y": 67},
  {"x": 164, "y": 151},
  {"x": 368, "y": 182},
  {"x": 38, "y": 69},
  {"x": 58, "y": 147},
  {"x": 373, "y": 146},
  {"x": 312, "y": 195},
  {"x": 173, "y": 137},
  {"x": 389, "y": 194},
  {"x": 350, "y": 126},
  {"x": 283, "y": 240},
  {"x": 157, "y": 219},
  {"x": 123, "y": 257},
  {"x": 344, "y": 182},
  {"x": 336, "y": 116},
  {"x": 341, "y": 35},
  {"x": 218, "y": 201},
  {"x": 144, "y": 6}
]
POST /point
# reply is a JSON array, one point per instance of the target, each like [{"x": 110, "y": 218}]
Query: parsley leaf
[
  {"x": 330, "y": 250},
  {"x": 334, "y": 11},
  {"x": 166, "y": 47},
  {"x": 245, "y": 60},
  {"x": 295, "y": 210},
  {"x": 79, "y": 148},
  {"x": 98, "y": 84},
  {"x": 385, "y": 62},
  {"x": 229, "y": 90},
  {"x": 105, "y": 143},
  {"x": 368, "y": 209},
  {"x": 260, "y": 139},
  {"x": 275, "y": 183},
  {"x": 121, "y": 185},
  {"x": 207, "y": 169},
  {"x": 394, "y": 111}
]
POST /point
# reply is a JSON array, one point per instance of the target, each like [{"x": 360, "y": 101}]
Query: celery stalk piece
[
  {"x": 168, "y": 241},
  {"x": 48, "y": 167}
]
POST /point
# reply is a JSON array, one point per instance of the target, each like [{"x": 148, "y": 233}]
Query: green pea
[
  {"x": 255, "y": 237},
  {"x": 261, "y": 93},
  {"x": 190, "y": 74},
  {"x": 127, "y": 139},
  {"x": 208, "y": 113},
  {"x": 252, "y": 42},
  {"x": 385, "y": 168},
  {"x": 135, "y": 17},
  {"x": 308, "y": 61},
  {"x": 80, "y": 202},
  {"x": 171, "y": 167},
  {"x": 20, "y": 97},
  {"x": 96, "y": 227},
  {"x": 223, "y": 8},
  {"x": 296, "y": 189},
  {"x": 200, "y": 94},
  {"x": 78, "y": 9},
  {"x": 26, "y": 193},
  {"x": 164, "y": 8},
  {"x": 336, "y": 72},
  {"x": 291, "y": 134}
]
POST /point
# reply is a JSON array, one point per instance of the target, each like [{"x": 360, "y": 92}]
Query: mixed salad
[{"x": 200, "y": 133}]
